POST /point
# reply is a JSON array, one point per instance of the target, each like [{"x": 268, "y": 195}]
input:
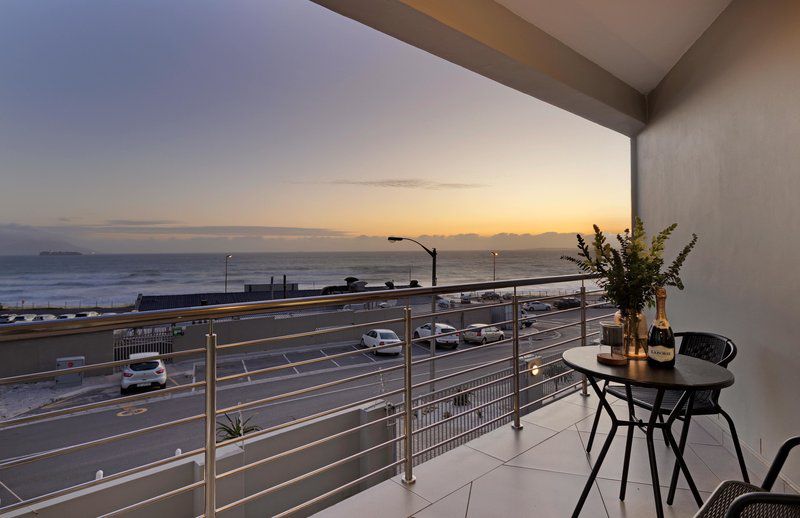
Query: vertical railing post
[
  {"x": 408, "y": 476},
  {"x": 584, "y": 384},
  {"x": 515, "y": 346},
  {"x": 211, "y": 420},
  {"x": 432, "y": 368}
]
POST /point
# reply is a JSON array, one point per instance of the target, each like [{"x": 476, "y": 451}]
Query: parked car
[
  {"x": 491, "y": 296},
  {"x": 66, "y": 316},
  {"x": 40, "y": 318},
  {"x": 85, "y": 314},
  {"x": 7, "y": 318},
  {"x": 536, "y": 305},
  {"x": 567, "y": 302},
  {"x": 24, "y": 318},
  {"x": 465, "y": 299},
  {"x": 442, "y": 341},
  {"x": 377, "y": 337},
  {"x": 146, "y": 371},
  {"x": 605, "y": 303},
  {"x": 479, "y": 333}
]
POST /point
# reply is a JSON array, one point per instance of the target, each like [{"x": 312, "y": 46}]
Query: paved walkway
[{"x": 540, "y": 472}]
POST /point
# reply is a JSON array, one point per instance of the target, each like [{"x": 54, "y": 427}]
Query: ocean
[{"x": 110, "y": 280}]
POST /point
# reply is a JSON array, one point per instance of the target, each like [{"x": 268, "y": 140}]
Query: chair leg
[
  {"x": 736, "y": 445},
  {"x": 664, "y": 429},
  {"x": 596, "y": 421}
]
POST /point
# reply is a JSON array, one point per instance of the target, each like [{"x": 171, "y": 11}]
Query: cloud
[
  {"x": 408, "y": 183},
  {"x": 140, "y": 222},
  {"x": 161, "y": 229}
]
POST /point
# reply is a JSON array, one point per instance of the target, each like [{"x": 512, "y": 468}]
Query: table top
[{"x": 688, "y": 374}]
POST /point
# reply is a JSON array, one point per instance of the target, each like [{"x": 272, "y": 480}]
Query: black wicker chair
[
  {"x": 734, "y": 499},
  {"x": 707, "y": 346}
]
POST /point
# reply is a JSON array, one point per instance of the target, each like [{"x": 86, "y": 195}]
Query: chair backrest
[
  {"x": 707, "y": 346},
  {"x": 710, "y": 347}
]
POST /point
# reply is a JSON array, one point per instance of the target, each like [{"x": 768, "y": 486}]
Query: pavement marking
[
  {"x": 10, "y": 491},
  {"x": 131, "y": 410},
  {"x": 173, "y": 381},
  {"x": 288, "y": 361},
  {"x": 365, "y": 355},
  {"x": 244, "y": 366},
  {"x": 326, "y": 355}
]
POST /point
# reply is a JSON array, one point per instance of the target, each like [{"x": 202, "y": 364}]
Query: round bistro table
[{"x": 689, "y": 375}]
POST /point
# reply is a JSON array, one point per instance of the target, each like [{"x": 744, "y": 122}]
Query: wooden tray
[{"x": 609, "y": 359}]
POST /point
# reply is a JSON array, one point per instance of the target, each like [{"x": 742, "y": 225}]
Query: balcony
[
  {"x": 332, "y": 418},
  {"x": 540, "y": 471}
]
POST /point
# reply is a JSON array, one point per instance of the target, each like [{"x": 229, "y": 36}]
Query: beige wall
[
  {"x": 721, "y": 156},
  {"x": 29, "y": 356}
]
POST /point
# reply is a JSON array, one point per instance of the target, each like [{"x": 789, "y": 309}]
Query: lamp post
[
  {"x": 494, "y": 253},
  {"x": 432, "y": 342},
  {"x": 227, "y": 257},
  {"x": 431, "y": 253}
]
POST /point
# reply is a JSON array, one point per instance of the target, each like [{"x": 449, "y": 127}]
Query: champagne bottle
[{"x": 661, "y": 340}]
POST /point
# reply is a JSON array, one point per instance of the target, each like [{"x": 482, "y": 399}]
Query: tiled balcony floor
[{"x": 540, "y": 471}]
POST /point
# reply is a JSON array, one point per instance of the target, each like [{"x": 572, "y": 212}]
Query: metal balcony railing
[{"x": 424, "y": 421}]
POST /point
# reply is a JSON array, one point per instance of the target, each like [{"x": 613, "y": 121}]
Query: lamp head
[
  {"x": 229, "y": 256},
  {"x": 394, "y": 239}
]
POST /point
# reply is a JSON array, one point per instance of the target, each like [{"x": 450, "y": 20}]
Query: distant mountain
[{"x": 24, "y": 240}]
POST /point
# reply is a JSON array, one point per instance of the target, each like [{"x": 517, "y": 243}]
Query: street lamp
[
  {"x": 227, "y": 257},
  {"x": 431, "y": 253},
  {"x": 494, "y": 253},
  {"x": 432, "y": 342}
]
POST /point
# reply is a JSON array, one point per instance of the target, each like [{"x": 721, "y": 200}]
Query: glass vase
[{"x": 635, "y": 336}]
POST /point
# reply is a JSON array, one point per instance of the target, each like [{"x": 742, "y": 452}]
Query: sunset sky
[{"x": 176, "y": 125}]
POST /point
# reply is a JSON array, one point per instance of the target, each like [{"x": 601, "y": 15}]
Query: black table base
[{"x": 648, "y": 428}]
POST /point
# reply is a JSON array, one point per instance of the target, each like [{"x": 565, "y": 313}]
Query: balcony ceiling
[{"x": 637, "y": 41}]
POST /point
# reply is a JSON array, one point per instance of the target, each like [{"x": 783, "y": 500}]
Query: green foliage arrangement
[
  {"x": 631, "y": 274},
  {"x": 234, "y": 428}
]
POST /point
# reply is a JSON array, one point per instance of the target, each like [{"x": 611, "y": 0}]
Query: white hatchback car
[
  {"x": 145, "y": 372},
  {"x": 536, "y": 305},
  {"x": 380, "y": 337},
  {"x": 479, "y": 333},
  {"x": 43, "y": 317},
  {"x": 443, "y": 341}
]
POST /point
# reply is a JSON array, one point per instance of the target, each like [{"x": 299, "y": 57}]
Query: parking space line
[
  {"x": 326, "y": 354},
  {"x": 173, "y": 381},
  {"x": 288, "y": 361},
  {"x": 244, "y": 366},
  {"x": 10, "y": 492},
  {"x": 365, "y": 355}
]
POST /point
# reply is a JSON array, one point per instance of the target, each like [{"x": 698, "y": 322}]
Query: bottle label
[{"x": 661, "y": 353}]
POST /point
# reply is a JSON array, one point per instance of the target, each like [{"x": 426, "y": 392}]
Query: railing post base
[
  {"x": 516, "y": 426},
  {"x": 409, "y": 481}
]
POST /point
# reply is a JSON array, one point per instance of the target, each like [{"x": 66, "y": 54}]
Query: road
[{"x": 33, "y": 479}]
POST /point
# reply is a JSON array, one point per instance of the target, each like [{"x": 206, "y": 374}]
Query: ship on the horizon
[{"x": 58, "y": 252}]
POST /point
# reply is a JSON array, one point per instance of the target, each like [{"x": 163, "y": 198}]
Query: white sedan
[
  {"x": 480, "y": 333},
  {"x": 450, "y": 340},
  {"x": 380, "y": 337},
  {"x": 536, "y": 305},
  {"x": 143, "y": 371}
]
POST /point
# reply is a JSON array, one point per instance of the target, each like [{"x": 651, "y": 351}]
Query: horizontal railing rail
[
  {"x": 29, "y": 330},
  {"x": 491, "y": 387}
]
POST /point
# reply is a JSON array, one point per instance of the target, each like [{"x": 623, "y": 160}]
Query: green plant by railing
[
  {"x": 234, "y": 428},
  {"x": 631, "y": 274}
]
